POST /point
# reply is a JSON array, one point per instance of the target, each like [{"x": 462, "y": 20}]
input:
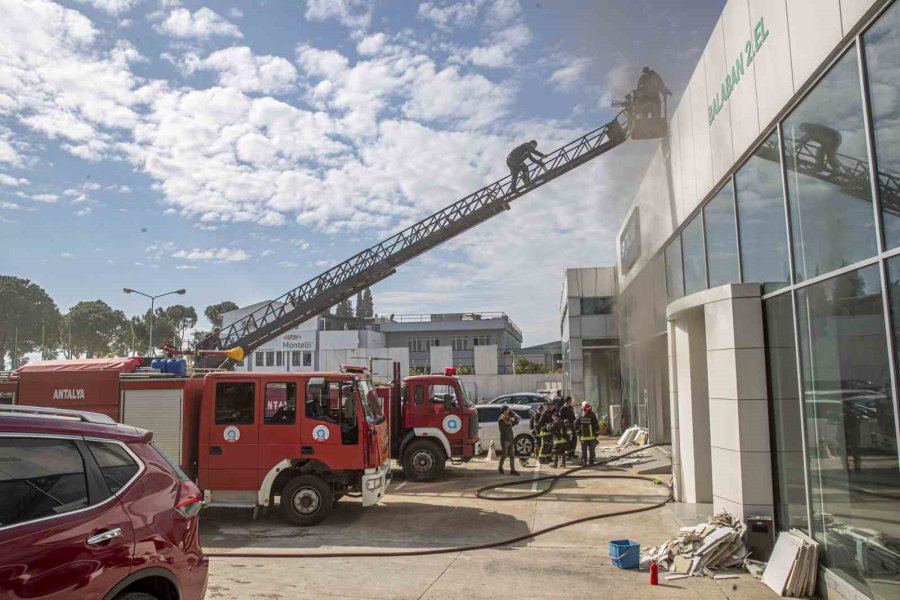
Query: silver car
[{"x": 530, "y": 399}]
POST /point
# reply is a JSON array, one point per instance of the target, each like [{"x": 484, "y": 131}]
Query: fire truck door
[
  {"x": 330, "y": 429},
  {"x": 447, "y": 415},
  {"x": 233, "y": 446}
]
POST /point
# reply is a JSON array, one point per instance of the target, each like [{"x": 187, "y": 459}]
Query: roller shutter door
[{"x": 159, "y": 411}]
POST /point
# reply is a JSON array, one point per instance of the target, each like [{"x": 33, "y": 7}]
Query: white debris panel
[
  {"x": 791, "y": 570},
  {"x": 716, "y": 544}
]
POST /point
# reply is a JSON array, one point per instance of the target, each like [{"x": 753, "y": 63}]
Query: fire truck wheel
[
  {"x": 523, "y": 445},
  {"x": 423, "y": 461},
  {"x": 306, "y": 500}
]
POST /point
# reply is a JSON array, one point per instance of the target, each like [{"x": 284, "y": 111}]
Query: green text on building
[{"x": 732, "y": 78}]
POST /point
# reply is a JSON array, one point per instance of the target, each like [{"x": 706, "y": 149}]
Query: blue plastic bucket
[{"x": 625, "y": 554}]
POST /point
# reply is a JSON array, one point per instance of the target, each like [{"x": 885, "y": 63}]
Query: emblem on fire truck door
[
  {"x": 320, "y": 433},
  {"x": 452, "y": 424},
  {"x": 231, "y": 434}
]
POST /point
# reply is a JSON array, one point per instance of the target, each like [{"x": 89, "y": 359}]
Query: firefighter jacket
[
  {"x": 558, "y": 431},
  {"x": 533, "y": 422},
  {"x": 588, "y": 426},
  {"x": 567, "y": 413},
  {"x": 544, "y": 422}
]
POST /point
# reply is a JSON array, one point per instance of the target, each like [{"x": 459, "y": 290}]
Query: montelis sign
[{"x": 734, "y": 75}]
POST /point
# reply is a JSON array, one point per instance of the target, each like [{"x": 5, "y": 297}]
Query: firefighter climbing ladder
[{"x": 381, "y": 260}]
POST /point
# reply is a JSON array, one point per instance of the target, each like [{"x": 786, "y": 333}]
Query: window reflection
[
  {"x": 882, "y": 45},
  {"x": 674, "y": 275},
  {"x": 828, "y": 175},
  {"x": 694, "y": 257},
  {"x": 851, "y": 437},
  {"x": 721, "y": 238},
  {"x": 760, "y": 202},
  {"x": 784, "y": 398}
]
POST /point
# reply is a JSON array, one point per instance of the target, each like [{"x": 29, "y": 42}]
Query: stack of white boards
[
  {"x": 716, "y": 544},
  {"x": 633, "y": 435},
  {"x": 791, "y": 570}
]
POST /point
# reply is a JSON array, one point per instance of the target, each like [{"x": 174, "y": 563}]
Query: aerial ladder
[{"x": 222, "y": 347}]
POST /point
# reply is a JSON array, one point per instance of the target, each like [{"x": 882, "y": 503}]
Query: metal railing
[{"x": 381, "y": 260}]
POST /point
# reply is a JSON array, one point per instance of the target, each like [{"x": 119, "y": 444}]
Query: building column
[{"x": 738, "y": 405}]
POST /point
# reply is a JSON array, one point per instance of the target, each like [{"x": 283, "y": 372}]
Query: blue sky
[{"x": 238, "y": 148}]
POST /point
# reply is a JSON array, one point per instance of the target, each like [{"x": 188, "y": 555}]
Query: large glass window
[
  {"x": 828, "y": 175},
  {"x": 721, "y": 238},
  {"x": 760, "y": 202},
  {"x": 851, "y": 438},
  {"x": 882, "y": 49},
  {"x": 784, "y": 398},
  {"x": 694, "y": 256},
  {"x": 280, "y": 404},
  {"x": 597, "y": 306},
  {"x": 674, "y": 276}
]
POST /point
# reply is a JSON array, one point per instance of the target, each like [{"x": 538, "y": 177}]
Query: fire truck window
[
  {"x": 235, "y": 402},
  {"x": 40, "y": 478},
  {"x": 322, "y": 401},
  {"x": 115, "y": 463},
  {"x": 419, "y": 394},
  {"x": 349, "y": 421},
  {"x": 281, "y": 404},
  {"x": 442, "y": 394}
]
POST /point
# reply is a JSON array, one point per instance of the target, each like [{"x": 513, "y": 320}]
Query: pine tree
[
  {"x": 360, "y": 306},
  {"x": 344, "y": 309},
  {"x": 368, "y": 304}
]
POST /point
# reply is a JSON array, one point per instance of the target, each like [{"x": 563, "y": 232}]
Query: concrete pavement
[{"x": 567, "y": 563}]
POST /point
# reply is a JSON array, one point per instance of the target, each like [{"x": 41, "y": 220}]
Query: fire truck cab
[
  {"x": 307, "y": 439},
  {"x": 435, "y": 421}
]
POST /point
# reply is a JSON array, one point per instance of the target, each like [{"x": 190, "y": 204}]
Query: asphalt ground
[{"x": 572, "y": 562}]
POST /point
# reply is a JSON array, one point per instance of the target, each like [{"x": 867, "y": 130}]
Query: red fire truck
[
  {"x": 432, "y": 421},
  {"x": 247, "y": 438}
]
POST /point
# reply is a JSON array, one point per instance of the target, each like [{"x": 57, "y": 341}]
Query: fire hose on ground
[{"x": 481, "y": 493}]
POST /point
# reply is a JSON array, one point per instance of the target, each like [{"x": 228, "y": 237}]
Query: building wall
[{"x": 801, "y": 35}]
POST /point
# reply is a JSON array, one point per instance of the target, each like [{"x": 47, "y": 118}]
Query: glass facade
[
  {"x": 804, "y": 224},
  {"x": 721, "y": 238}
]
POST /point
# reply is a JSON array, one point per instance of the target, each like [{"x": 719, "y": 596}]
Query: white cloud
[
  {"x": 12, "y": 181},
  {"x": 46, "y": 198},
  {"x": 212, "y": 255},
  {"x": 503, "y": 49},
  {"x": 201, "y": 24},
  {"x": 350, "y": 13},
  {"x": 371, "y": 44},
  {"x": 456, "y": 14},
  {"x": 620, "y": 80},
  {"x": 267, "y": 252},
  {"x": 112, "y": 7},
  {"x": 568, "y": 77},
  {"x": 66, "y": 255},
  {"x": 447, "y": 95},
  {"x": 185, "y": 267},
  {"x": 240, "y": 68},
  {"x": 287, "y": 264}
]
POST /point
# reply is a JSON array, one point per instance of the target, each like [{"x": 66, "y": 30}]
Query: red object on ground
[{"x": 654, "y": 573}]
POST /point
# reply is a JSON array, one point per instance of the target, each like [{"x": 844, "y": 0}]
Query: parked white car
[
  {"x": 530, "y": 399},
  {"x": 489, "y": 431}
]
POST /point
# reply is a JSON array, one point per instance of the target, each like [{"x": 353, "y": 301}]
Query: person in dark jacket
[
  {"x": 558, "y": 400},
  {"x": 515, "y": 160},
  {"x": 829, "y": 141},
  {"x": 588, "y": 427},
  {"x": 560, "y": 440},
  {"x": 506, "y": 422},
  {"x": 533, "y": 427},
  {"x": 648, "y": 95},
  {"x": 546, "y": 438},
  {"x": 567, "y": 413}
]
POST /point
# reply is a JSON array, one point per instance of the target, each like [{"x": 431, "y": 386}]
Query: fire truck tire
[
  {"x": 306, "y": 500},
  {"x": 523, "y": 445},
  {"x": 423, "y": 460}
]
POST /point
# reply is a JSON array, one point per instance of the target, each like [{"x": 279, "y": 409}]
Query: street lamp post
[{"x": 180, "y": 292}]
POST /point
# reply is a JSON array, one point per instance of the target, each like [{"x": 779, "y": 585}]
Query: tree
[
  {"x": 27, "y": 309},
  {"x": 523, "y": 365},
  {"x": 368, "y": 305},
  {"x": 96, "y": 329},
  {"x": 359, "y": 305},
  {"x": 214, "y": 312},
  {"x": 344, "y": 308},
  {"x": 182, "y": 318}
]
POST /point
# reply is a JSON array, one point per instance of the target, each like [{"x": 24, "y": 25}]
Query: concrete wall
[
  {"x": 441, "y": 358},
  {"x": 491, "y": 386},
  {"x": 801, "y": 35},
  {"x": 331, "y": 360}
]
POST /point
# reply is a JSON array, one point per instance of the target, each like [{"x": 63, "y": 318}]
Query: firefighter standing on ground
[
  {"x": 535, "y": 432},
  {"x": 515, "y": 160},
  {"x": 567, "y": 413},
  {"x": 506, "y": 422},
  {"x": 588, "y": 427},
  {"x": 546, "y": 438},
  {"x": 560, "y": 440}
]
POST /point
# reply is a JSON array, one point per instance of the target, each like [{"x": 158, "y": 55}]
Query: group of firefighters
[{"x": 557, "y": 430}]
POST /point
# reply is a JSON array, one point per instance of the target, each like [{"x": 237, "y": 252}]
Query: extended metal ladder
[{"x": 381, "y": 260}]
